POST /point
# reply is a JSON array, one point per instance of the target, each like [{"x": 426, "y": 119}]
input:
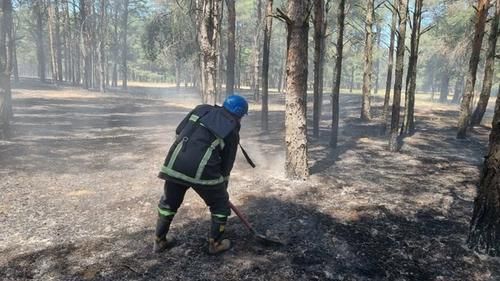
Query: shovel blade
[{"x": 267, "y": 241}]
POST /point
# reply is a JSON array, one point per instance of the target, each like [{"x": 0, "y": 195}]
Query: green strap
[
  {"x": 201, "y": 167},
  {"x": 194, "y": 117},
  {"x": 220, "y": 216},
  {"x": 175, "y": 174},
  {"x": 175, "y": 154},
  {"x": 166, "y": 212},
  {"x": 206, "y": 157}
]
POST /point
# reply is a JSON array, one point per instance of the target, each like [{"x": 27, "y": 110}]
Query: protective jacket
[{"x": 205, "y": 148}]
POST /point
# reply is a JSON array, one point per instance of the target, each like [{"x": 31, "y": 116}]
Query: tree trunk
[
  {"x": 115, "y": 49},
  {"x": 52, "y": 41},
  {"x": 40, "y": 53},
  {"x": 319, "y": 20},
  {"x": 411, "y": 78},
  {"x": 338, "y": 75},
  {"x": 377, "y": 62},
  {"x": 86, "y": 45},
  {"x": 282, "y": 83},
  {"x": 57, "y": 41},
  {"x": 68, "y": 64},
  {"x": 280, "y": 76},
  {"x": 351, "y": 84},
  {"x": 257, "y": 54},
  {"x": 15, "y": 67},
  {"x": 265, "y": 65},
  {"x": 5, "y": 91},
  {"x": 10, "y": 49},
  {"x": 488, "y": 69},
  {"x": 102, "y": 44},
  {"x": 208, "y": 38},
  {"x": 390, "y": 64},
  {"x": 465, "y": 107},
  {"x": 124, "y": 43},
  {"x": 177, "y": 73},
  {"x": 444, "y": 90},
  {"x": 485, "y": 224},
  {"x": 398, "y": 83},
  {"x": 368, "y": 62},
  {"x": 239, "y": 63},
  {"x": 220, "y": 57},
  {"x": 296, "y": 87},
  {"x": 77, "y": 46},
  {"x": 457, "y": 92},
  {"x": 231, "y": 49}
]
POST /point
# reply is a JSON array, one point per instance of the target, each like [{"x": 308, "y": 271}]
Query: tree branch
[
  {"x": 379, "y": 5},
  {"x": 427, "y": 29},
  {"x": 280, "y": 15}
]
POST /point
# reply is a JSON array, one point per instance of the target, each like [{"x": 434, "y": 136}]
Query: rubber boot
[
  {"x": 216, "y": 243},
  {"x": 161, "y": 242}
]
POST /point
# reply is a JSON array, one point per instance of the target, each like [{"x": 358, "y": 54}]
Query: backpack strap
[{"x": 193, "y": 128}]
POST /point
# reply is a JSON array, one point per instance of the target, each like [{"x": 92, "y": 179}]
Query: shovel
[{"x": 260, "y": 237}]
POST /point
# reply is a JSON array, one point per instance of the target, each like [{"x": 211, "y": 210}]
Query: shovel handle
[{"x": 242, "y": 217}]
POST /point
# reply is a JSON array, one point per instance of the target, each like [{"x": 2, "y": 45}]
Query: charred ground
[{"x": 79, "y": 190}]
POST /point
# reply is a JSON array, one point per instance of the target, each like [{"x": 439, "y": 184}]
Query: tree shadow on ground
[
  {"x": 351, "y": 131},
  {"x": 374, "y": 244}
]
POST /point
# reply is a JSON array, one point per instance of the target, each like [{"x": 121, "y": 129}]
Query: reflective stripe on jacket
[{"x": 205, "y": 148}]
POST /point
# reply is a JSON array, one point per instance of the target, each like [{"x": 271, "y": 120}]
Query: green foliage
[{"x": 169, "y": 32}]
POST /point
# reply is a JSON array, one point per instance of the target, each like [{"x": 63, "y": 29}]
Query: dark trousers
[{"x": 216, "y": 198}]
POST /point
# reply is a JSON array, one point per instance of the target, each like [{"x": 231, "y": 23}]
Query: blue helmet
[{"x": 236, "y": 105}]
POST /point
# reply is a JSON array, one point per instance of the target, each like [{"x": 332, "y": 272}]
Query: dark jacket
[{"x": 205, "y": 148}]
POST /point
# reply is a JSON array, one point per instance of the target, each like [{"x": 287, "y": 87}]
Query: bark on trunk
[
  {"x": 319, "y": 20},
  {"x": 411, "y": 78},
  {"x": 209, "y": 20},
  {"x": 445, "y": 87},
  {"x": 86, "y": 45},
  {"x": 37, "y": 11},
  {"x": 368, "y": 62},
  {"x": 177, "y": 74},
  {"x": 10, "y": 45},
  {"x": 15, "y": 67},
  {"x": 458, "y": 91},
  {"x": 102, "y": 43},
  {"x": 338, "y": 75},
  {"x": 52, "y": 41},
  {"x": 377, "y": 62},
  {"x": 265, "y": 65},
  {"x": 488, "y": 69},
  {"x": 68, "y": 61},
  {"x": 231, "y": 49},
  {"x": 398, "y": 79},
  {"x": 115, "y": 50},
  {"x": 77, "y": 45},
  {"x": 5, "y": 105},
  {"x": 465, "y": 107},
  {"x": 296, "y": 87},
  {"x": 485, "y": 223},
  {"x": 351, "y": 84},
  {"x": 257, "y": 54},
  {"x": 57, "y": 41},
  {"x": 390, "y": 65},
  {"x": 220, "y": 57},
  {"x": 124, "y": 43}
]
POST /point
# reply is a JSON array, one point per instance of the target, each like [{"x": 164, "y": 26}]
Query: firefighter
[{"x": 202, "y": 158}]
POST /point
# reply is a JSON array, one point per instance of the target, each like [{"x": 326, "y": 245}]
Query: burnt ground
[{"x": 79, "y": 191}]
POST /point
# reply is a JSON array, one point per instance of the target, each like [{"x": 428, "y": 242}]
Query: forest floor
[{"x": 78, "y": 195}]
